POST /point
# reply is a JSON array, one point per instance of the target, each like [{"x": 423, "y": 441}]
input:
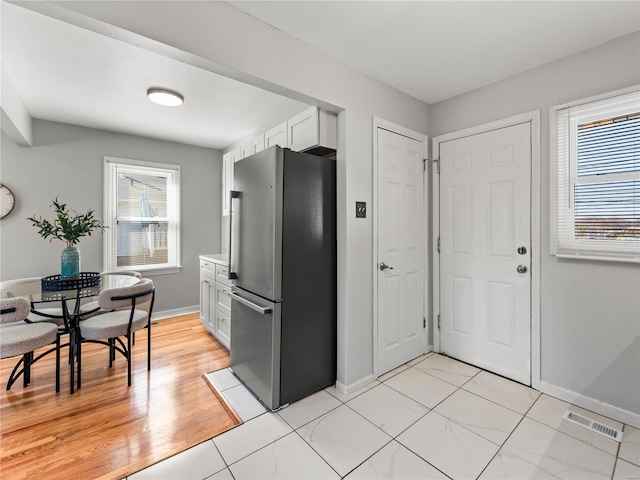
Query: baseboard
[
  {"x": 176, "y": 312},
  {"x": 611, "y": 411},
  {"x": 352, "y": 387}
]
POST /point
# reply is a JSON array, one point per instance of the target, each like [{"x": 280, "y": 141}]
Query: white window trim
[
  {"x": 579, "y": 249},
  {"x": 109, "y": 217}
]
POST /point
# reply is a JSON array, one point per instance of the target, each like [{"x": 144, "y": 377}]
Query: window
[
  {"x": 596, "y": 199},
  {"x": 142, "y": 209}
]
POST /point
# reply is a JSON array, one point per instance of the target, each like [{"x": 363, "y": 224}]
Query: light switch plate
[{"x": 361, "y": 209}]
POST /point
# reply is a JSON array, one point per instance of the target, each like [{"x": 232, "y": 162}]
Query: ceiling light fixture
[{"x": 165, "y": 97}]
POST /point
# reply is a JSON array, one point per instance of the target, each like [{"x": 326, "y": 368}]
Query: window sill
[
  {"x": 150, "y": 270},
  {"x": 597, "y": 257}
]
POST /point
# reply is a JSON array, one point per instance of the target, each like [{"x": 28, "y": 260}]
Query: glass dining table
[{"x": 42, "y": 292}]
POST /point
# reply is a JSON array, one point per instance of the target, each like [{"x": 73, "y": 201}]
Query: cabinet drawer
[
  {"x": 222, "y": 274},
  {"x": 223, "y": 328},
  {"x": 223, "y": 300},
  {"x": 208, "y": 269}
]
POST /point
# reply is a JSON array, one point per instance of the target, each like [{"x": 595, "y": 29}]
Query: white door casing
[
  {"x": 485, "y": 217},
  {"x": 400, "y": 289}
]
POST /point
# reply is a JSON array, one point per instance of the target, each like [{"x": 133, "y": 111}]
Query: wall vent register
[{"x": 591, "y": 425}]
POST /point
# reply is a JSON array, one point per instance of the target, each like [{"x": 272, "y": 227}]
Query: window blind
[
  {"x": 597, "y": 152},
  {"x": 141, "y": 208}
]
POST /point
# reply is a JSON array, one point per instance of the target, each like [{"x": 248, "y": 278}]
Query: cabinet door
[
  {"x": 223, "y": 328},
  {"x": 302, "y": 130},
  {"x": 228, "y": 159},
  {"x": 211, "y": 317},
  {"x": 257, "y": 144},
  {"x": 227, "y": 181},
  {"x": 236, "y": 154},
  {"x": 276, "y": 136},
  {"x": 245, "y": 150},
  {"x": 205, "y": 302}
]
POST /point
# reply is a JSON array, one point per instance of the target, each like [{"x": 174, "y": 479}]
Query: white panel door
[
  {"x": 485, "y": 250},
  {"x": 401, "y": 333}
]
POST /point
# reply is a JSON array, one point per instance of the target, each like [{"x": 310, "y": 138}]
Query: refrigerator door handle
[
  {"x": 232, "y": 194},
  {"x": 251, "y": 305}
]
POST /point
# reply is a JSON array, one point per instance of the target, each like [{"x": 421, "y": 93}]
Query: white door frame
[
  {"x": 420, "y": 137},
  {"x": 533, "y": 118}
]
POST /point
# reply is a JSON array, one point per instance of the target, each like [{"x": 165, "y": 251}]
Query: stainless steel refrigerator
[{"x": 283, "y": 266}]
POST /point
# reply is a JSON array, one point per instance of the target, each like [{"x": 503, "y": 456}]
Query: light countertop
[{"x": 220, "y": 258}]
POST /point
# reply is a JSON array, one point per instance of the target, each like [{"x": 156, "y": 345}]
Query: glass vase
[{"x": 70, "y": 262}]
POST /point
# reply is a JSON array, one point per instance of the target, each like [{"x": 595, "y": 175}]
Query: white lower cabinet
[{"x": 215, "y": 303}]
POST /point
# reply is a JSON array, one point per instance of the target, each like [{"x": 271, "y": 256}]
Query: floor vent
[{"x": 595, "y": 426}]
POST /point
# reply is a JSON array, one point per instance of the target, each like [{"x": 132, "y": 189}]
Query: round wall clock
[{"x": 7, "y": 201}]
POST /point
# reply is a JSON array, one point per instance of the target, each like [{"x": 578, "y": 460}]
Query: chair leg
[
  {"x": 79, "y": 353},
  {"x": 26, "y": 372},
  {"x": 128, "y": 360},
  {"x": 58, "y": 363},
  {"x": 149, "y": 345},
  {"x": 72, "y": 364},
  {"x": 112, "y": 352}
]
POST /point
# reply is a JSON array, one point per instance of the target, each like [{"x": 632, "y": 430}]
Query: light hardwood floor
[{"x": 106, "y": 429}]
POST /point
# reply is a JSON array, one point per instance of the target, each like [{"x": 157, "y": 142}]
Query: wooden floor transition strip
[{"x": 223, "y": 400}]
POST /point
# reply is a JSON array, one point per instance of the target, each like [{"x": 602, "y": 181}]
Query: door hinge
[
  {"x": 437, "y": 163},
  {"x": 438, "y": 321},
  {"x": 438, "y": 246},
  {"x": 424, "y": 322}
]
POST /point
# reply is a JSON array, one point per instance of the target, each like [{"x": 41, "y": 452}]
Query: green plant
[{"x": 69, "y": 226}]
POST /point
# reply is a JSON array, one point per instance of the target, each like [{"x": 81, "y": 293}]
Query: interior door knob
[
  {"x": 384, "y": 266},
  {"x": 521, "y": 268}
]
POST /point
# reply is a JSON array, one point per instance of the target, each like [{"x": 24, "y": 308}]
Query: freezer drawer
[{"x": 255, "y": 345}]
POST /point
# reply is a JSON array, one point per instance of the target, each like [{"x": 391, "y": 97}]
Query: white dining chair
[
  {"x": 126, "y": 310},
  {"x": 18, "y": 337}
]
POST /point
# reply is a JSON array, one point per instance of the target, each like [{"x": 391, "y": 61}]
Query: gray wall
[
  {"x": 236, "y": 44},
  {"x": 590, "y": 310},
  {"x": 67, "y": 161}
]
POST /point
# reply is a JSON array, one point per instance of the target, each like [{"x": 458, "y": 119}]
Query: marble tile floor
[{"x": 432, "y": 418}]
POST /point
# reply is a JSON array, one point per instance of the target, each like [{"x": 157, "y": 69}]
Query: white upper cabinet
[
  {"x": 276, "y": 136},
  {"x": 313, "y": 130},
  {"x": 245, "y": 150},
  {"x": 257, "y": 144},
  {"x": 228, "y": 160}
]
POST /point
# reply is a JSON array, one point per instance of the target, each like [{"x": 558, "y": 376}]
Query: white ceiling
[
  {"x": 428, "y": 49},
  {"x": 434, "y": 50},
  {"x": 67, "y": 74}
]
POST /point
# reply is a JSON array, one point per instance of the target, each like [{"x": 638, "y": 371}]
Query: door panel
[
  {"x": 485, "y": 208},
  {"x": 401, "y": 334},
  {"x": 256, "y": 230}
]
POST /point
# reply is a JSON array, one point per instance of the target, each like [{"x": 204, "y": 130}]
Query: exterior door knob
[
  {"x": 521, "y": 269},
  {"x": 384, "y": 266}
]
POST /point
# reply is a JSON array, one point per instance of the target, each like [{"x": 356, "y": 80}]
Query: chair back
[
  {"x": 18, "y": 281},
  {"x": 14, "y": 309},
  {"x": 124, "y": 297}
]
